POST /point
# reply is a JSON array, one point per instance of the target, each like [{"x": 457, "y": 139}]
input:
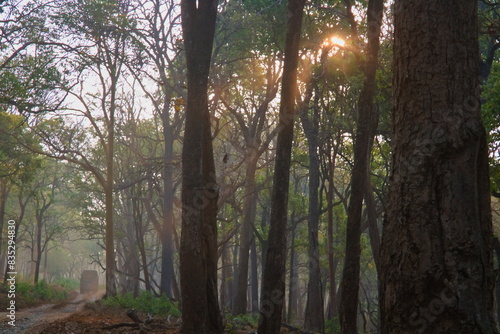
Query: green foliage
[
  {"x": 491, "y": 119},
  {"x": 146, "y": 302},
  {"x": 39, "y": 291},
  {"x": 242, "y": 321},
  {"x": 23, "y": 287},
  {"x": 68, "y": 283},
  {"x": 44, "y": 291},
  {"x": 332, "y": 326},
  {"x": 15, "y": 161}
]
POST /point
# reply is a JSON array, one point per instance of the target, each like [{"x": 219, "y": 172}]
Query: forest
[{"x": 326, "y": 166}]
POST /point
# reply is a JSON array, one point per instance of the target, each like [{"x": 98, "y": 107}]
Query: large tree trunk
[
  {"x": 198, "y": 251},
  {"x": 436, "y": 255},
  {"x": 273, "y": 280},
  {"x": 350, "y": 279}
]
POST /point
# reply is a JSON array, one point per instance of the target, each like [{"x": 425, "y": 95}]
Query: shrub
[
  {"x": 68, "y": 283},
  {"x": 241, "y": 321},
  {"x": 44, "y": 291},
  {"x": 146, "y": 302},
  {"x": 332, "y": 326}
]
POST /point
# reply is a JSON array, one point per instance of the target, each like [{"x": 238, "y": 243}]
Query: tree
[
  {"x": 198, "y": 252},
  {"x": 158, "y": 40},
  {"x": 436, "y": 254},
  {"x": 366, "y": 125},
  {"x": 18, "y": 166},
  {"x": 273, "y": 278},
  {"x": 314, "y": 318},
  {"x": 99, "y": 36}
]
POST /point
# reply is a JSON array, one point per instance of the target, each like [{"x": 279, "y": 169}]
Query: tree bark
[
  {"x": 496, "y": 249},
  {"x": 436, "y": 254},
  {"x": 273, "y": 280},
  {"x": 314, "y": 314},
  {"x": 294, "y": 280},
  {"x": 108, "y": 186},
  {"x": 254, "y": 277},
  {"x": 241, "y": 279},
  {"x": 348, "y": 311},
  {"x": 198, "y": 251},
  {"x": 332, "y": 259},
  {"x": 167, "y": 257}
]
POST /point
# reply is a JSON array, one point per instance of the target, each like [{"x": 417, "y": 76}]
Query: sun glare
[{"x": 336, "y": 41}]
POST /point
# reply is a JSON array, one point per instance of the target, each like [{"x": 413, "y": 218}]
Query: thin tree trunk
[
  {"x": 372, "y": 224},
  {"x": 254, "y": 277},
  {"x": 332, "y": 261},
  {"x": 437, "y": 241},
  {"x": 108, "y": 194},
  {"x": 225, "y": 287},
  {"x": 314, "y": 319},
  {"x": 350, "y": 279},
  {"x": 241, "y": 280},
  {"x": 167, "y": 256},
  {"x": 273, "y": 281},
  {"x": 38, "y": 247},
  {"x": 139, "y": 237},
  {"x": 294, "y": 279},
  {"x": 371, "y": 207}
]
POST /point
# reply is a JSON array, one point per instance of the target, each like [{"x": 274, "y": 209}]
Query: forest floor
[
  {"x": 81, "y": 314},
  {"x": 85, "y": 314}
]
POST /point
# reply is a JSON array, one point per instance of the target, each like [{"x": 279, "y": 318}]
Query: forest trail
[{"x": 32, "y": 320}]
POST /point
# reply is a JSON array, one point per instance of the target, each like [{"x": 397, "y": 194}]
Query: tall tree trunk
[
  {"x": 141, "y": 244},
  {"x": 314, "y": 314},
  {"x": 294, "y": 280},
  {"x": 273, "y": 280},
  {"x": 373, "y": 231},
  {"x": 350, "y": 279},
  {"x": 108, "y": 191},
  {"x": 436, "y": 256},
  {"x": 198, "y": 252},
  {"x": 225, "y": 286},
  {"x": 254, "y": 276},
  {"x": 241, "y": 280},
  {"x": 332, "y": 260},
  {"x": 167, "y": 252},
  {"x": 38, "y": 247}
]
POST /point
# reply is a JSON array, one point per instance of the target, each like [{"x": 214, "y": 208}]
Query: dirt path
[{"x": 28, "y": 320}]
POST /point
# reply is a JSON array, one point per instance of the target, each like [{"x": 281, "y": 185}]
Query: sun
[
  {"x": 337, "y": 41},
  {"x": 334, "y": 41}
]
